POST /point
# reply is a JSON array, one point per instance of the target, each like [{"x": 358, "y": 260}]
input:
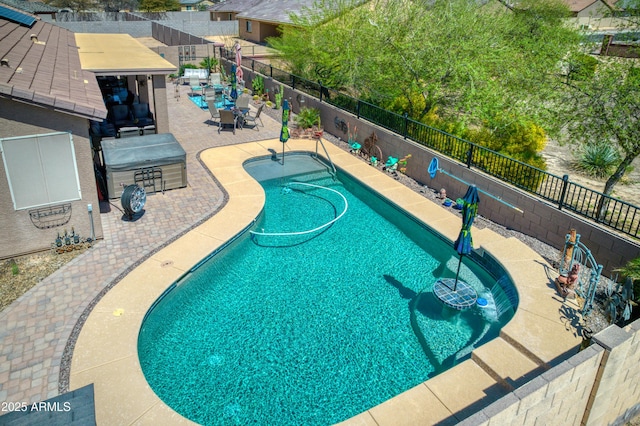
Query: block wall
[{"x": 597, "y": 386}]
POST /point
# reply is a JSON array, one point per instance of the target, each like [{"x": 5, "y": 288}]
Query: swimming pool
[{"x": 314, "y": 328}]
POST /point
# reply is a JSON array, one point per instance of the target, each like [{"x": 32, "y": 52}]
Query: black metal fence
[{"x": 609, "y": 211}]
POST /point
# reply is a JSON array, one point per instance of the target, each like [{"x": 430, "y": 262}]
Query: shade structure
[
  {"x": 239, "y": 73},
  {"x": 284, "y": 132},
  {"x": 464, "y": 244},
  {"x": 234, "y": 82}
]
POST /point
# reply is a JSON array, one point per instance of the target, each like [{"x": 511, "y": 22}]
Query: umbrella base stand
[{"x": 463, "y": 298}]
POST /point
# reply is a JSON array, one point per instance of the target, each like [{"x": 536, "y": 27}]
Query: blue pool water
[{"x": 315, "y": 328}]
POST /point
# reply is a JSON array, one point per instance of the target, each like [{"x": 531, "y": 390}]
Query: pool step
[{"x": 505, "y": 363}]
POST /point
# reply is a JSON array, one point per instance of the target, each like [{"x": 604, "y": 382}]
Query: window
[
  {"x": 248, "y": 26},
  {"x": 41, "y": 169}
]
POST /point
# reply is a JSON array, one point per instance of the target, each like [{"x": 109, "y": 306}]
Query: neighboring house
[
  {"x": 590, "y": 8},
  {"x": 194, "y": 5},
  {"x": 33, "y": 7},
  {"x": 262, "y": 20},
  {"x": 47, "y": 180},
  {"x": 259, "y": 19},
  {"x": 227, "y": 10}
]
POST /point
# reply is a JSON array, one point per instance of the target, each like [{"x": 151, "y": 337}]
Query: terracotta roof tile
[{"x": 50, "y": 72}]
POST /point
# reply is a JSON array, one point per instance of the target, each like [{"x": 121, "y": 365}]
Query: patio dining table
[{"x": 238, "y": 113}]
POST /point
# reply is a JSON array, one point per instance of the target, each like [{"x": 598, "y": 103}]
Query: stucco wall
[
  {"x": 254, "y": 35},
  {"x": 18, "y": 119}
]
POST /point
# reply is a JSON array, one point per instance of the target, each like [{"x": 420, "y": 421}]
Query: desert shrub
[
  {"x": 581, "y": 67},
  {"x": 597, "y": 160},
  {"x": 307, "y": 118},
  {"x": 521, "y": 141},
  {"x": 632, "y": 270},
  {"x": 257, "y": 84},
  {"x": 209, "y": 63}
]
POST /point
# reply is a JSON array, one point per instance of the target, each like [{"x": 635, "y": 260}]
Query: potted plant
[
  {"x": 307, "y": 118},
  {"x": 209, "y": 63}
]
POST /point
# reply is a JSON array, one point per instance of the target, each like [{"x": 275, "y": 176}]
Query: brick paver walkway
[{"x": 35, "y": 329}]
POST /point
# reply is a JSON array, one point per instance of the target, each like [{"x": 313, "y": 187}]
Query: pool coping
[{"x": 539, "y": 335}]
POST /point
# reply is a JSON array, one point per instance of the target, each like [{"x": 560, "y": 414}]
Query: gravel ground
[
  {"x": 18, "y": 275},
  {"x": 594, "y": 322}
]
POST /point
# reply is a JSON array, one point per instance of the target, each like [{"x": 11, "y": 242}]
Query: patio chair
[
  {"x": 242, "y": 103},
  {"x": 142, "y": 116},
  {"x": 215, "y": 114},
  {"x": 227, "y": 117},
  {"x": 194, "y": 82},
  {"x": 215, "y": 80},
  {"x": 209, "y": 94},
  {"x": 252, "y": 119},
  {"x": 120, "y": 116}
]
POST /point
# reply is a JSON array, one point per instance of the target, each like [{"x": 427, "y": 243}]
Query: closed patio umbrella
[
  {"x": 239, "y": 72},
  {"x": 284, "y": 132},
  {"x": 234, "y": 89},
  {"x": 464, "y": 244}
]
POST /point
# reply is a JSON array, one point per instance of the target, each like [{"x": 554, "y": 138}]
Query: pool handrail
[{"x": 327, "y": 154}]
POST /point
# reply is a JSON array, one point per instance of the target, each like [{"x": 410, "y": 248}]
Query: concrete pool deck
[{"x": 537, "y": 337}]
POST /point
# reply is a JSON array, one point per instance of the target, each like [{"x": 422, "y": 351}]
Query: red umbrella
[{"x": 238, "y": 61}]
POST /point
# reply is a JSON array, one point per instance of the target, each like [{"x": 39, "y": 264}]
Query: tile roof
[
  {"x": 278, "y": 11},
  {"x": 30, "y": 6},
  {"x": 579, "y": 5},
  {"x": 47, "y": 71},
  {"x": 234, "y": 5}
]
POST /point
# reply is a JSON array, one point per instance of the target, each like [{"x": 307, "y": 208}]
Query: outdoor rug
[{"x": 199, "y": 101}]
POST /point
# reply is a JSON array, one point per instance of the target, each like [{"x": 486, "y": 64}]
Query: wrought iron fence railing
[{"x": 606, "y": 210}]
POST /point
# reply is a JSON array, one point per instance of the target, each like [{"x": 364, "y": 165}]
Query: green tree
[
  {"x": 479, "y": 64},
  {"x": 159, "y": 5},
  {"x": 605, "y": 108}
]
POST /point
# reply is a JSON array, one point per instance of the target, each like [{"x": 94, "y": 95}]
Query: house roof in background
[
  {"x": 191, "y": 2},
  {"x": 580, "y": 5},
  {"x": 119, "y": 54},
  {"x": 45, "y": 70},
  {"x": 30, "y": 6},
  {"x": 276, "y": 11},
  {"x": 234, "y": 5}
]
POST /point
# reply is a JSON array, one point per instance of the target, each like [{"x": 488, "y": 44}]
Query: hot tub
[{"x": 155, "y": 162}]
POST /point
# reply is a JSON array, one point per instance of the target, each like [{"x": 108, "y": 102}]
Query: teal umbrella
[
  {"x": 464, "y": 244},
  {"x": 234, "y": 89},
  {"x": 284, "y": 132}
]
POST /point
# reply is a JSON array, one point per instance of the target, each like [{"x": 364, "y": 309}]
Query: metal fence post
[
  {"x": 470, "y": 156},
  {"x": 270, "y": 70},
  {"x": 253, "y": 65},
  {"x": 563, "y": 193},
  {"x": 320, "y": 84},
  {"x": 358, "y": 108},
  {"x": 293, "y": 82},
  {"x": 406, "y": 124}
]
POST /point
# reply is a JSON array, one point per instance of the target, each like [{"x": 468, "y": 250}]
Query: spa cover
[{"x": 142, "y": 152}]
